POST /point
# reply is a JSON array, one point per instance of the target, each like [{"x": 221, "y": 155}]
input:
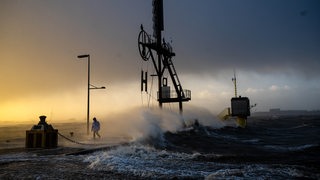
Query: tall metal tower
[{"x": 160, "y": 52}]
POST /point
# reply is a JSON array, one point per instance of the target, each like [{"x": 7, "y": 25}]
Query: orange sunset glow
[{"x": 274, "y": 54}]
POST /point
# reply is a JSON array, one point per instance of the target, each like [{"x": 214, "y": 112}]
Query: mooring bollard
[{"x": 42, "y": 135}]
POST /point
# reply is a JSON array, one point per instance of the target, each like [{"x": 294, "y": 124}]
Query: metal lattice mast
[{"x": 162, "y": 61}]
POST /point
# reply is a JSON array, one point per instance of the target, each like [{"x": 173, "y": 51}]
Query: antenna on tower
[{"x": 234, "y": 80}]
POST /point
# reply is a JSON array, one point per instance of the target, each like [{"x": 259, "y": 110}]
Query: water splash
[{"x": 143, "y": 124}]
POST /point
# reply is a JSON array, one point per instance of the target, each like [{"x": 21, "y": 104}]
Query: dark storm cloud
[{"x": 259, "y": 36}]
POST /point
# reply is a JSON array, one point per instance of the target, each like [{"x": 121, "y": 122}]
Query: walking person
[{"x": 95, "y": 128}]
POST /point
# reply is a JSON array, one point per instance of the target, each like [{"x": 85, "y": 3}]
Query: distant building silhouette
[{"x": 278, "y": 112}]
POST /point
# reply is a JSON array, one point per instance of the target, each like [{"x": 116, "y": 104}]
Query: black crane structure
[{"x": 160, "y": 52}]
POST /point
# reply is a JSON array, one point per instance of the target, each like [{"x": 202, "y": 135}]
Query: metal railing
[{"x": 173, "y": 94}]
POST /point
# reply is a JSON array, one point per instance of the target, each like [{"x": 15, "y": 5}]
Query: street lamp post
[{"x": 88, "y": 89}]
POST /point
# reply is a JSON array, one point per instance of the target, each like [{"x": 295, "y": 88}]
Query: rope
[{"x": 76, "y": 142}]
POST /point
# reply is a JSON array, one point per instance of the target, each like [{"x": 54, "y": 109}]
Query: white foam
[
  {"x": 256, "y": 171},
  {"x": 146, "y": 162},
  {"x": 290, "y": 148}
]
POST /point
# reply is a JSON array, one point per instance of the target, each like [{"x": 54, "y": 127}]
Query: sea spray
[
  {"x": 203, "y": 115},
  {"x": 140, "y": 124},
  {"x": 143, "y": 157}
]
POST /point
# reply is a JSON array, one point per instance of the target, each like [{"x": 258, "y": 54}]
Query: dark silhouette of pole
[
  {"x": 157, "y": 28},
  {"x": 88, "y": 100},
  {"x": 90, "y": 86}
]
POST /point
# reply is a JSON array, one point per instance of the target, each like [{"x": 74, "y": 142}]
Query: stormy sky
[{"x": 273, "y": 46}]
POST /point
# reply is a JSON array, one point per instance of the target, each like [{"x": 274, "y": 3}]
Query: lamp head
[{"x": 84, "y": 56}]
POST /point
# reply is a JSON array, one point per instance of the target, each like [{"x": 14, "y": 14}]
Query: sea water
[{"x": 283, "y": 148}]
